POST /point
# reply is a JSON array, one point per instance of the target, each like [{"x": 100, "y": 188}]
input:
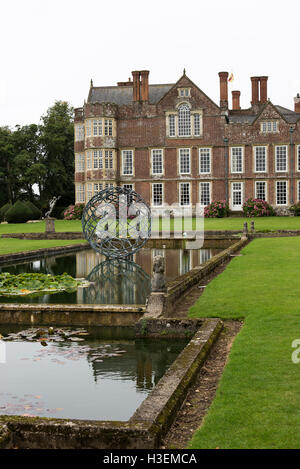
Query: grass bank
[
  {"x": 230, "y": 223},
  {"x": 10, "y": 245},
  {"x": 257, "y": 404}
]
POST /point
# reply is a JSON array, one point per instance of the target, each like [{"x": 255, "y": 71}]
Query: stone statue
[
  {"x": 158, "y": 281},
  {"x": 51, "y": 205}
]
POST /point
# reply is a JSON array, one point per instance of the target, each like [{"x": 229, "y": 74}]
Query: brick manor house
[{"x": 173, "y": 145}]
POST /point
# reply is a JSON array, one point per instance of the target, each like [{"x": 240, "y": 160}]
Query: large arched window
[{"x": 184, "y": 121}]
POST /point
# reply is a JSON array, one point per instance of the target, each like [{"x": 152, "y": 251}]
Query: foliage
[
  {"x": 36, "y": 284},
  {"x": 74, "y": 212},
  {"x": 3, "y": 210},
  {"x": 18, "y": 213},
  {"x": 216, "y": 209},
  {"x": 295, "y": 209},
  {"x": 257, "y": 208},
  {"x": 39, "y": 156},
  {"x": 57, "y": 142},
  {"x": 36, "y": 213}
]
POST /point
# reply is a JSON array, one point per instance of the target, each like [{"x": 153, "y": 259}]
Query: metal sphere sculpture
[{"x": 116, "y": 222}]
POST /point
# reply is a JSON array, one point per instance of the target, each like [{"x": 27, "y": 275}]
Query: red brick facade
[{"x": 168, "y": 140}]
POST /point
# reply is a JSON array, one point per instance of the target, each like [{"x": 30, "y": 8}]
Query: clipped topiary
[
  {"x": 36, "y": 213},
  {"x": 4, "y": 209},
  {"x": 18, "y": 213}
]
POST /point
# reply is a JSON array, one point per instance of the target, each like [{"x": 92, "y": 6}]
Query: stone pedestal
[
  {"x": 50, "y": 225},
  {"x": 155, "y": 305}
]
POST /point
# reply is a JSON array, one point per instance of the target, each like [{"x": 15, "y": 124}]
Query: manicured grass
[
  {"x": 257, "y": 404},
  {"x": 230, "y": 223},
  {"x": 10, "y": 245}
]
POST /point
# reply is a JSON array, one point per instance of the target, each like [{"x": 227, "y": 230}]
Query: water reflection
[{"x": 116, "y": 281}]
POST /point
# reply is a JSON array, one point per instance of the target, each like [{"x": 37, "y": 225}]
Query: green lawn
[
  {"x": 257, "y": 404},
  {"x": 10, "y": 245},
  {"x": 230, "y": 223}
]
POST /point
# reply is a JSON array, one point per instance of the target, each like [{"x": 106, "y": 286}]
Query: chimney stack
[
  {"x": 136, "y": 85},
  {"x": 140, "y": 85},
  {"x": 263, "y": 90},
  {"x": 223, "y": 90},
  {"x": 297, "y": 103},
  {"x": 236, "y": 100},
  {"x": 144, "y": 85},
  {"x": 255, "y": 92}
]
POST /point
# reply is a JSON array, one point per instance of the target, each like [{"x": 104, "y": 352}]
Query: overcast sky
[{"x": 50, "y": 49}]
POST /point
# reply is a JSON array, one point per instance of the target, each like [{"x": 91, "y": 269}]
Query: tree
[
  {"x": 7, "y": 177},
  {"x": 29, "y": 168},
  {"x": 57, "y": 141}
]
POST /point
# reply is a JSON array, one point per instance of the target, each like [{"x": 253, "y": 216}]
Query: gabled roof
[
  {"x": 193, "y": 84},
  {"x": 124, "y": 94}
]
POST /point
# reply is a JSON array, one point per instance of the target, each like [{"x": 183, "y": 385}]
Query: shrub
[
  {"x": 257, "y": 208},
  {"x": 58, "y": 212},
  {"x": 217, "y": 209},
  {"x": 295, "y": 209},
  {"x": 3, "y": 210},
  {"x": 35, "y": 212},
  {"x": 74, "y": 212},
  {"x": 18, "y": 213}
]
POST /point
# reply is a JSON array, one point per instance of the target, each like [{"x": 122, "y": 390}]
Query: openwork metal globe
[{"x": 116, "y": 222}]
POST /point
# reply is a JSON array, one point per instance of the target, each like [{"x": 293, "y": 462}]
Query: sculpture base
[{"x": 50, "y": 225}]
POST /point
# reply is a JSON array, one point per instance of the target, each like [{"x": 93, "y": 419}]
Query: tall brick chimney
[
  {"x": 255, "y": 91},
  {"x": 136, "y": 85},
  {"x": 236, "y": 100},
  {"x": 297, "y": 103},
  {"x": 263, "y": 90},
  {"x": 223, "y": 90},
  {"x": 144, "y": 95}
]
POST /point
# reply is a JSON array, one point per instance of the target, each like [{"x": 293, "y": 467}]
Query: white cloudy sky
[{"x": 50, "y": 49}]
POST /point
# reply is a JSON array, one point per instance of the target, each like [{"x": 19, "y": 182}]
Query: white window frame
[
  {"x": 237, "y": 207},
  {"x": 201, "y": 150},
  {"x": 124, "y": 152},
  {"x": 153, "y": 151},
  {"x": 266, "y": 189},
  {"x": 80, "y": 193},
  {"x": 287, "y": 192},
  {"x": 298, "y": 191},
  {"x": 286, "y": 159},
  {"x": 79, "y": 132},
  {"x": 255, "y": 160},
  {"x": 89, "y": 191},
  {"x": 197, "y": 125},
  {"x": 267, "y": 126},
  {"x": 242, "y": 159},
  {"x": 97, "y": 127},
  {"x": 180, "y": 156},
  {"x": 89, "y": 160},
  {"x": 97, "y": 159},
  {"x": 162, "y": 194},
  {"x": 184, "y": 120},
  {"x": 184, "y": 92},
  {"x": 108, "y": 159},
  {"x": 201, "y": 184},
  {"x": 108, "y": 127},
  {"x": 180, "y": 193}
]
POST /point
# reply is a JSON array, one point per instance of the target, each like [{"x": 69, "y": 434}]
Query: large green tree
[
  {"x": 29, "y": 167},
  {"x": 7, "y": 178},
  {"x": 57, "y": 142}
]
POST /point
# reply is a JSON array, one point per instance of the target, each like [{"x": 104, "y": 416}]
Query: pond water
[
  {"x": 113, "y": 281},
  {"x": 99, "y": 378}
]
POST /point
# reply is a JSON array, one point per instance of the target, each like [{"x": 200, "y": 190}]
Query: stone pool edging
[
  {"x": 162, "y": 304},
  {"x": 70, "y": 315},
  {"x": 144, "y": 430}
]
